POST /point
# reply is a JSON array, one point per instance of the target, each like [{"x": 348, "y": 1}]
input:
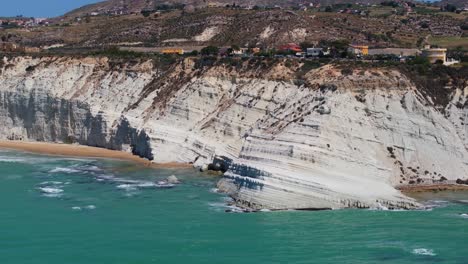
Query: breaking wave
[
  {"x": 64, "y": 170},
  {"x": 79, "y": 208},
  {"x": 85, "y": 169},
  {"x": 227, "y": 206},
  {"x": 25, "y": 160},
  {"x": 51, "y": 191},
  {"x": 424, "y": 252},
  {"x": 131, "y": 185},
  {"x": 429, "y": 205},
  {"x": 12, "y": 160}
]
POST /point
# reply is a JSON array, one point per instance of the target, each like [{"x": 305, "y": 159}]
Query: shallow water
[{"x": 64, "y": 210}]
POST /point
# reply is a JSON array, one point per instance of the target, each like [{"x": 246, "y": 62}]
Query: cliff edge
[{"x": 285, "y": 136}]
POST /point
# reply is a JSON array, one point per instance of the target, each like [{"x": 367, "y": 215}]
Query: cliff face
[{"x": 329, "y": 141}]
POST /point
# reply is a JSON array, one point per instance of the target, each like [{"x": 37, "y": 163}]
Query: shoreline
[{"x": 73, "y": 150}]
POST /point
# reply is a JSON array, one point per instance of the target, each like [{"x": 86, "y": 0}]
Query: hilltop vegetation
[{"x": 375, "y": 26}]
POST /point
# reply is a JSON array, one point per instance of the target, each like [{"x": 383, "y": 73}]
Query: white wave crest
[
  {"x": 127, "y": 187},
  {"x": 424, "y": 252},
  {"x": 130, "y": 185},
  {"x": 50, "y": 190},
  {"x": 88, "y": 207},
  {"x": 64, "y": 170},
  {"x": 12, "y": 160},
  {"x": 52, "y": 195}
]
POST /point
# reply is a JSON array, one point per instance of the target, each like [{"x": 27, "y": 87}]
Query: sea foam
[
  {"x": 50, "y": 190},
  {"x": 12, "y": 160},
  {"x": 64, "y": 170},
  {"x": 424, "y": 252}
]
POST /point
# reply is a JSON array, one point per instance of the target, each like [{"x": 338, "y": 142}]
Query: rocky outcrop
[
  {"x": 327, "y": 141},
  {"x": 62, "y": 100}
]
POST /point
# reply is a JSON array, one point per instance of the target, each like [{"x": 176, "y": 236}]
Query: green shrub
[
  {"x": 116, "y": 52},
  {"x": 210, "y": 50}
]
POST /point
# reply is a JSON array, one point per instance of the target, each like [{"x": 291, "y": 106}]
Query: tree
[
  {"x": 210, "y": 50},
  {"x": 450, "y": 8},
  {"x": 146, "y": 13},
  {"x": 457, "y": 53},
  {"x": 424, "y": 25},
  {"x": 193, "y": 53},
  {"x": 420, "y": 60},
  {"x": 420, "y": 42},
  {"x": 390, "y": 3},
  {"x": 341, "y": 44}
]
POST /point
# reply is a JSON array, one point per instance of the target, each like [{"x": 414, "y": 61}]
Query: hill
[
  {"x": 457, "y": 3},
  {"x": 129, "y": 6},
  {"x": 119, "y": 23}
]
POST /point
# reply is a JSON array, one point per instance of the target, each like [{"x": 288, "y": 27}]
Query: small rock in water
[
  {"x": 204, "y": 167},
  {"x": 173, "y": 179},
  {"x": 164, "y": 184}
]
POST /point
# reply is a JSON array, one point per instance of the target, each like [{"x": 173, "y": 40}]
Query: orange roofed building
[{"x": 290, "y": 47}]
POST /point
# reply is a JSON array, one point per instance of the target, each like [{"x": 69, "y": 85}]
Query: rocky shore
[{"x": 284, "y": 135}]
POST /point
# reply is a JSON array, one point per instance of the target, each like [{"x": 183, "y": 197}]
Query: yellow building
[
  {"x": 435, "y": 54},
  {"x": 359, "y": 49},
  {"x": 173, "y": 51}
]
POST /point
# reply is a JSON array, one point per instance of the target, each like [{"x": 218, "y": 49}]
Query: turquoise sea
[{"x": 69, "y": 210}]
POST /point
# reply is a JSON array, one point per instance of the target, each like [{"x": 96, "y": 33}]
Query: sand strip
[{"x": 74, "y": 150}]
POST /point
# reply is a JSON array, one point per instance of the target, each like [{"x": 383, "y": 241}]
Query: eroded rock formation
[{"x": 328, "y": 141}]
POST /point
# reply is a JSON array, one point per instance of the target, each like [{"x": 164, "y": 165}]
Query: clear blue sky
[{"x": 40, "y": 8}]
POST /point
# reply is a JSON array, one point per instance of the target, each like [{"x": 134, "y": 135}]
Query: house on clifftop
[{"x": 437, "y": 55}]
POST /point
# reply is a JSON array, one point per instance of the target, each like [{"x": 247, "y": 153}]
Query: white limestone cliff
[{"x": 336, "y": 141}]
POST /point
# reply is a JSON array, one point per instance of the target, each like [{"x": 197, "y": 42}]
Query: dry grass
[
  {"x": 239, "y": 27},
  {"x": 450, "y": 42}
]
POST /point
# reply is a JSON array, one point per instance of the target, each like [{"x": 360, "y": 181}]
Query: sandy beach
[{"x": 74, "y": 150}]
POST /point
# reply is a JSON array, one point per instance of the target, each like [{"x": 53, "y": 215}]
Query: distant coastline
[{"x": 74, "y": 150}]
